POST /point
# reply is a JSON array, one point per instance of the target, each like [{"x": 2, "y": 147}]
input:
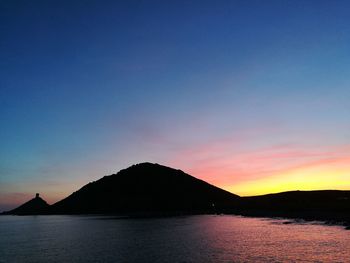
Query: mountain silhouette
[
  {"x": 152, "y": 189},
  {"x": 144, "y": 188},
  {"x": 34, "y": 206}
]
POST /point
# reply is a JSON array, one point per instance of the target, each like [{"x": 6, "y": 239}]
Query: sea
[{"x": 200, "y": 238}]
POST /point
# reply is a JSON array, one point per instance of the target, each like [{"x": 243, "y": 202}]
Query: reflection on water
[{"x": 179, "y": 239}]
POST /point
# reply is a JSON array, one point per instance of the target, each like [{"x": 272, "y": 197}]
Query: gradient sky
[{"x": 252, "y": 96}]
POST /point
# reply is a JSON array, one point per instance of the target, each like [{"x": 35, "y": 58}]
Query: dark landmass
[
  {"x": 331, "y": 206},
  {"x": 154, "y": 190},
  {"x": 145, "y": 188},
  {"x": 34, "y": 206}
]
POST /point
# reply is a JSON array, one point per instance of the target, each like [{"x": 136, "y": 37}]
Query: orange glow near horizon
[
  {"x": 327, "y": 176},
  {"x": 272, "y": 170}
]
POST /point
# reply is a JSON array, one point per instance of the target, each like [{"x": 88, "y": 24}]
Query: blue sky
[{"x": 90, "y": 87}]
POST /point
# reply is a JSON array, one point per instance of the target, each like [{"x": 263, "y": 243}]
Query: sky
[{"x": 251, "y": 96}]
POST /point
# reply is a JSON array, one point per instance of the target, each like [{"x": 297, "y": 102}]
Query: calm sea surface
[{"x": 179, "y": 239}]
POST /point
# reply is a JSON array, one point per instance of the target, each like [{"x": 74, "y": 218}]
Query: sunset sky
[{"x": 251, "y": 96}]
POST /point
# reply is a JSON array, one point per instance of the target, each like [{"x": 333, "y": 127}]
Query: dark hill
[
  {"x": 152, "y": 189},
  {"x": 144, "y": 188},
  {"x": 329, "y": 205},
  {"x": 34, "y": 206}
]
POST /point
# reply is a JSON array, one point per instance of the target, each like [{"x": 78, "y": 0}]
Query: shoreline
[{"x": 277, "y": 215}]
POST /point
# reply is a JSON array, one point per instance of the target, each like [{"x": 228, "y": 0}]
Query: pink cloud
[{"x": 228, "y": 161}]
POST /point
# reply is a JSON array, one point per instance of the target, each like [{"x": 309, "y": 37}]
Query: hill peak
[
  {"x": 145, "y": 187},
  {"x": 149, "y": 166}
]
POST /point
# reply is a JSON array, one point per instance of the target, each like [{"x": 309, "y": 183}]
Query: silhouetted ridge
[
  {"x": 146, "y": 187},
  {"x": 327, "y": 205},
  {"x": 301, "y": 200},
  {"x": 34, "y": 206},
  {"x": 153, "y": 189}
]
